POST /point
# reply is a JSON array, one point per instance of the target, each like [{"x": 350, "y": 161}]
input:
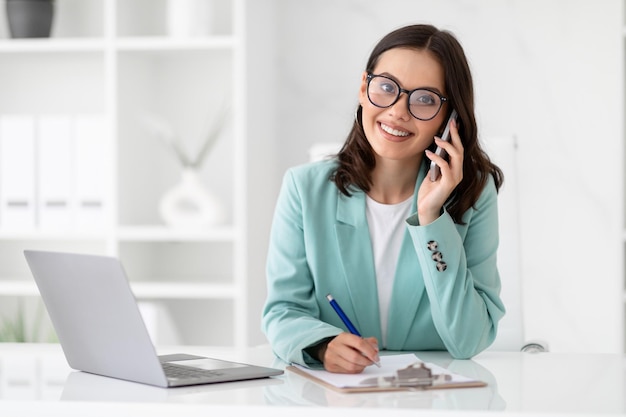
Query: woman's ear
[{"x": 363, "y": 89}]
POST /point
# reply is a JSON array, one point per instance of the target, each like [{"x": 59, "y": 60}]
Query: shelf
[
  {"x": 73, "y": 236},
  {"x": 175, "y": 290},
  {"x": 142, "y": 290},
  {"x": 129, "y": 234},
  {"x": 135, "y": 44},
  {"x": 166, "y": 234},
  {"x": 167, "y": 44},
  {"x": 26, "y": 46},
  {"x": 18, "y": 288}
]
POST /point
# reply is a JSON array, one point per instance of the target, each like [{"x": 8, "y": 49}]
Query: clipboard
[{"x": 382, "y": 380}]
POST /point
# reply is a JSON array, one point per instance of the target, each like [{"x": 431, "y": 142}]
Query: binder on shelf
[
  {"x": 17, "y": 172},
  {"x": 92, "y": 172},
  {"x": 54, "y": 174}
]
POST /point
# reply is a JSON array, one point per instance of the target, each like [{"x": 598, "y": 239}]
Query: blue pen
[{"x": 345, "y": 319}]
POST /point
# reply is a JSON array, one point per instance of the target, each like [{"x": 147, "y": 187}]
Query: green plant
[{"x": 15, "y": 329}]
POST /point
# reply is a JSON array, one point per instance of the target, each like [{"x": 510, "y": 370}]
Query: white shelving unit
[{"x": 115, "y": 58}]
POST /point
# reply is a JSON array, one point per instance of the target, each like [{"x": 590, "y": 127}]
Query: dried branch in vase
[{"x": 168, "y": 136}]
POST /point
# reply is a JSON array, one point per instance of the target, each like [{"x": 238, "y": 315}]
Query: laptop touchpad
[{"x": 208, "y": 364}]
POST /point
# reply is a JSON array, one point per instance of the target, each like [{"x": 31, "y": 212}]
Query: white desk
[{"x": 35, "y": 380}]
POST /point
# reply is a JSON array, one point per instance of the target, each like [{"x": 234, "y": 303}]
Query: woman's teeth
[{"x": 392, "y": 131}]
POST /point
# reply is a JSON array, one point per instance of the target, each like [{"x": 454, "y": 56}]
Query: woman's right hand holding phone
[{"x": 433, "y": 194}]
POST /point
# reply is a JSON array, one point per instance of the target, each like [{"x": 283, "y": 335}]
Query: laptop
[{"x": 95, "y": 315}]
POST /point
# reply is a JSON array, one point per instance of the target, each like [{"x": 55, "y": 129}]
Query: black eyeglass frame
[{"x": 443, "y": 99}]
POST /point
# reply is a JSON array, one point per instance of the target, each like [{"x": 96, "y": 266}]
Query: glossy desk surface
[{"x": 36, "y": 380}]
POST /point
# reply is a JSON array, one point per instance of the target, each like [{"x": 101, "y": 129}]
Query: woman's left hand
[{"x": 433, "y": 194}]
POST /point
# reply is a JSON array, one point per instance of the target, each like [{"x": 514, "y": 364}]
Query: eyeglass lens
[{"x": 384, "y": 92}]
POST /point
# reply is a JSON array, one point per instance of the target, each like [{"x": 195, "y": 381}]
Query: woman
[{"x": 411, "y": 261}]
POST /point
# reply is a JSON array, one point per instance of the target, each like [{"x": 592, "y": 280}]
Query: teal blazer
[{"x": 320, "y": 244}]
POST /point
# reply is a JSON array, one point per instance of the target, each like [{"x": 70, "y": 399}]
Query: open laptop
[{"x": 95, "y": 315}]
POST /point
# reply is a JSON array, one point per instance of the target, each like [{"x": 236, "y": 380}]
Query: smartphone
[{"x": 435, "y": 171}]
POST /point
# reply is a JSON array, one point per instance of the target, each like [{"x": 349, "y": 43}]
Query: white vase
[{"x": 190, "y": 205}]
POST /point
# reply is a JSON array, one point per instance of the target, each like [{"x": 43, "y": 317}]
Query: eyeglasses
[{"x": 423, "y": 104}]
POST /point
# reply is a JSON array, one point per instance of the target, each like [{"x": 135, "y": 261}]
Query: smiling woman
[
  {"x": 401, "y": 127},
  {"x": 412, "y": 261}
]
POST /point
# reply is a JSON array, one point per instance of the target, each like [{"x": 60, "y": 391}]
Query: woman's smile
[{"x": 393, "y": 131}]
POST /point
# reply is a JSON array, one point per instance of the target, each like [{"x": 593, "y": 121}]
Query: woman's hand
[
  {"x": 433, "y": 194},
  {"x": 350, "y": 354}
]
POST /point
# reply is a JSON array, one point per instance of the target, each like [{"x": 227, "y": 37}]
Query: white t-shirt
[{"x": 387, "y": 226}]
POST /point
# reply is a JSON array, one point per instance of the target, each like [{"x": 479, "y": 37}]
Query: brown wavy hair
[{"x": 356, "y": 157}]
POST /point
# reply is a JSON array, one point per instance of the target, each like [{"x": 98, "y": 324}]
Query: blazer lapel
[{"x": 355, "y": 251}]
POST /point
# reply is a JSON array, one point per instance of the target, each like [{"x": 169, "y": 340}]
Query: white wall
[
  {"x": 263, "y": 176},
  {"x": 547, "y": 72}
]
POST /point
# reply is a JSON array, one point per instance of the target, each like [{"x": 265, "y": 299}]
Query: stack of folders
[{"x": 55, "y": 172}]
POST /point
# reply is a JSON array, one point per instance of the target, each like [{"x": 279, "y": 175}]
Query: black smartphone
[{"x": 435, "y": 171}]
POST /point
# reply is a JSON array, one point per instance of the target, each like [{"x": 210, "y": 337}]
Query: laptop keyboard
[{"x": 184, "y": 372}]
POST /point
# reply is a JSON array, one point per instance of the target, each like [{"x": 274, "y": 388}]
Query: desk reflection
[
  {"x": 81, "y": 386},
  {"x": 298, "y": 390},
  {"x": 518, "y": 383}
]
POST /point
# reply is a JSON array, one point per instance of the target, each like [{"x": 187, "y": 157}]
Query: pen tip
[{"x": 329, "y": 297}]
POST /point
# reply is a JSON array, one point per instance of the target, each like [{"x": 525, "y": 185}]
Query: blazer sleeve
[
  {"x": 291, "y": 313},
  {"x": 461, "y": 276}
]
